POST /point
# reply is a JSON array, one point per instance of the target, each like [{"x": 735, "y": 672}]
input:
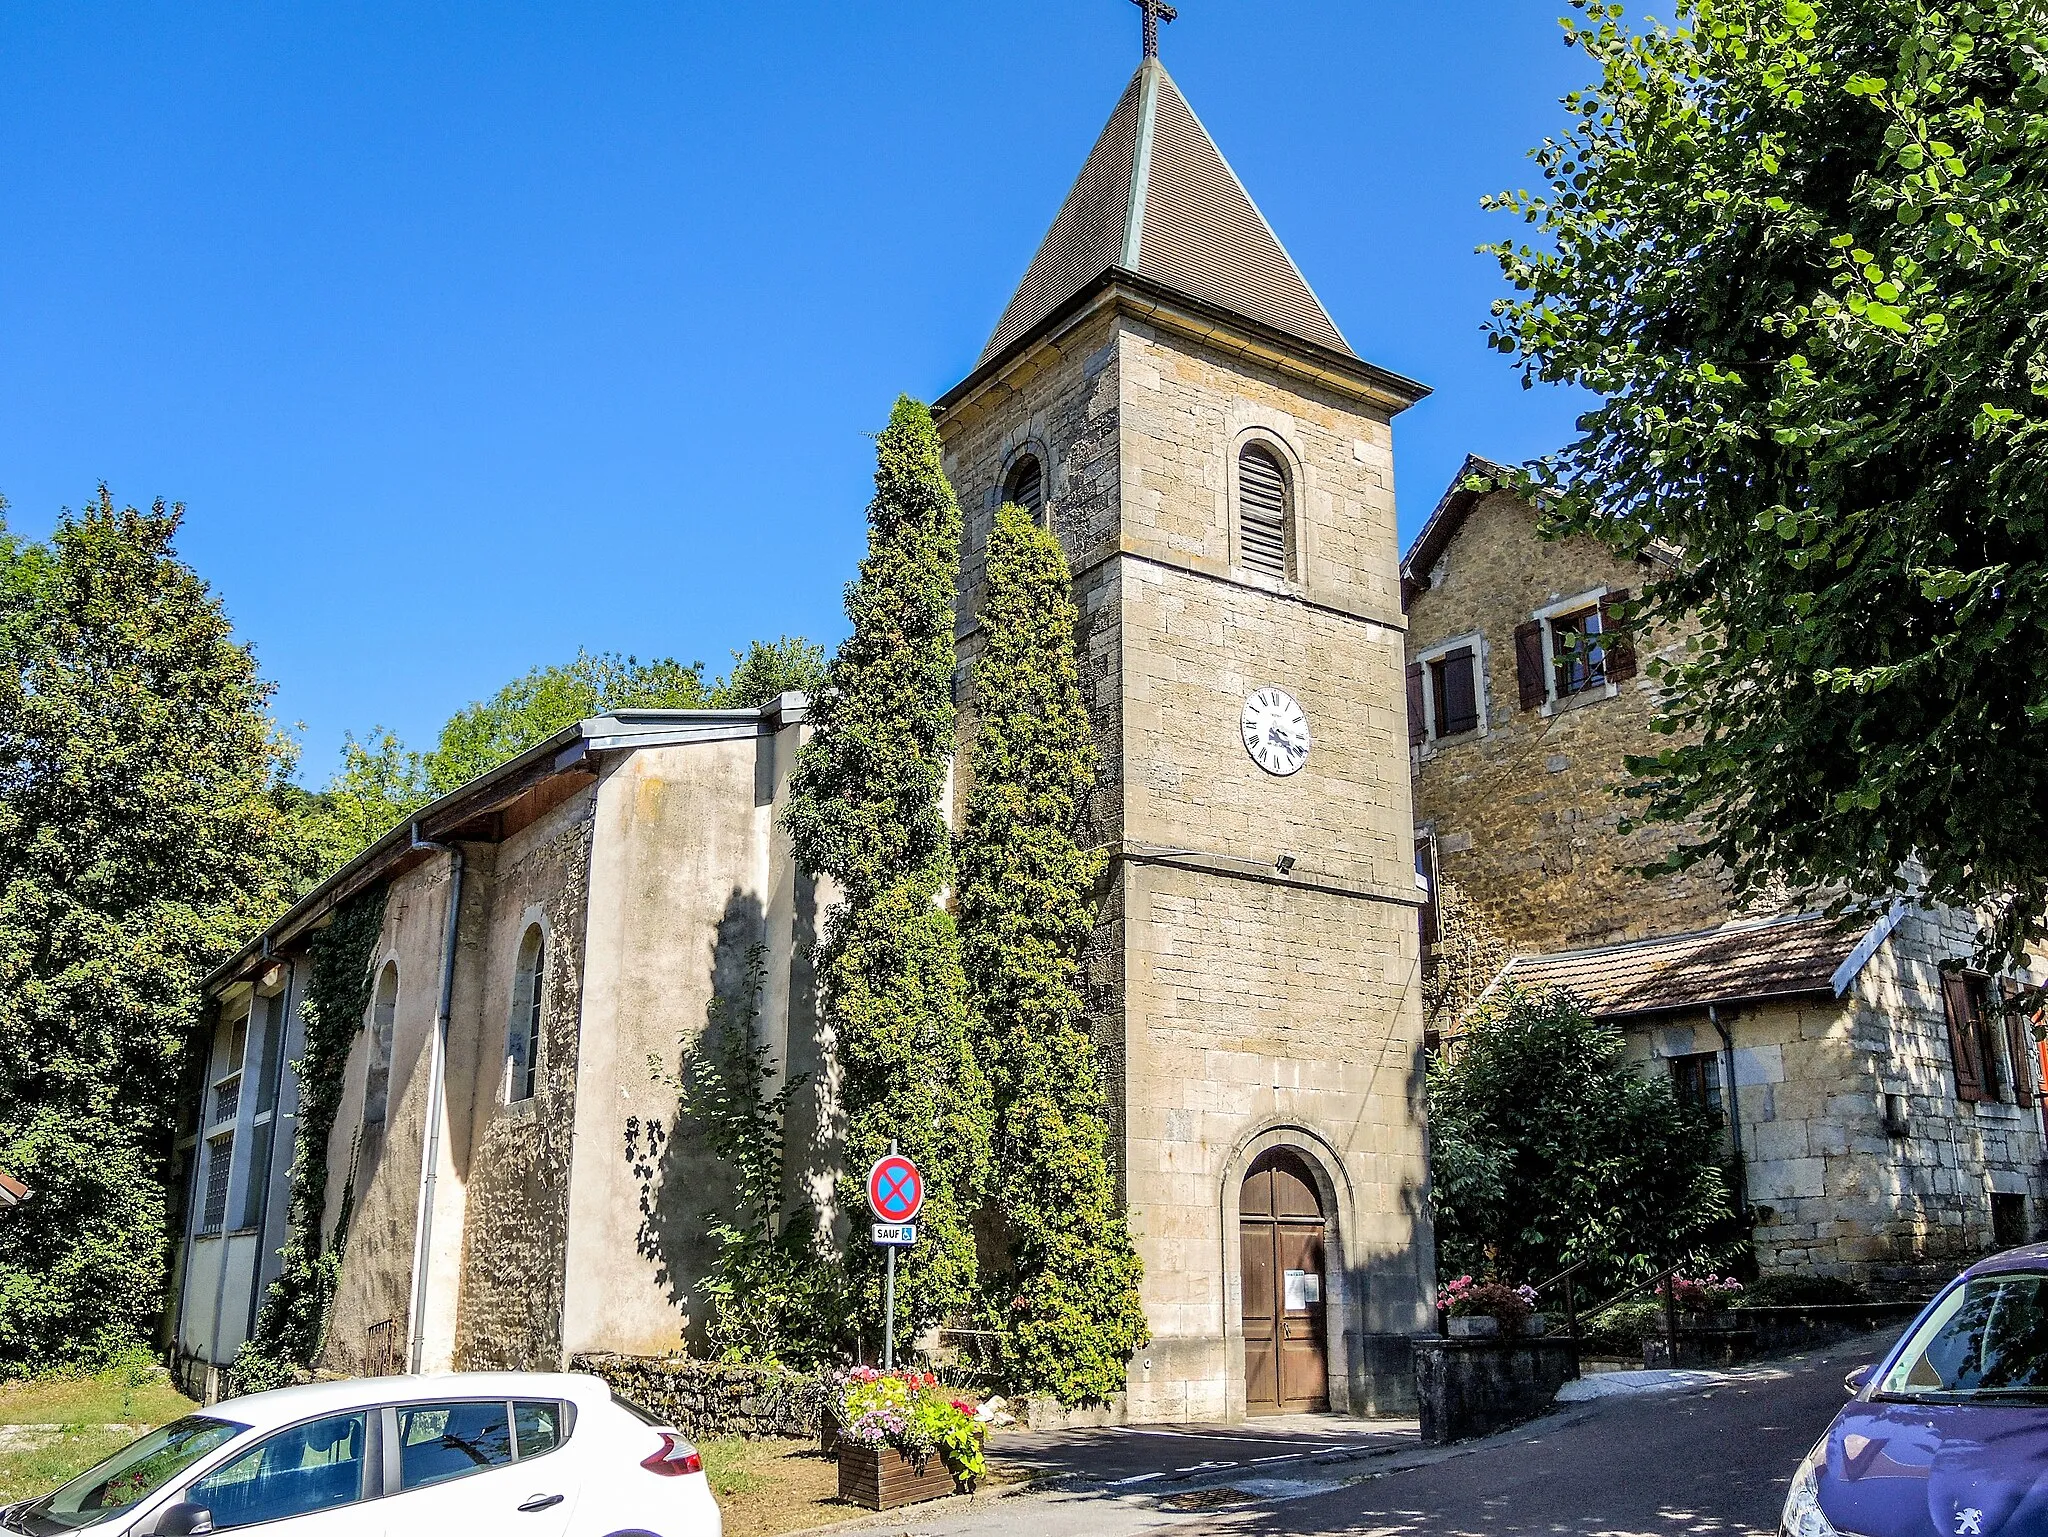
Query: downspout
[
  {"x": 1734, "y": 1110},
  {"x": 437, "y": 1068},
  {"x": 284, "y": 1033}
]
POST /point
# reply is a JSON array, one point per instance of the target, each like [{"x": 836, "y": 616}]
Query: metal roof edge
[
  {"x": 1867, "y": 948},
  {"x": 559, "y": 753}
]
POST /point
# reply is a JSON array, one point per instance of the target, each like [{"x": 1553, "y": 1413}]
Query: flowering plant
[
  {"x": 913, "y": 1413},
  {"x": 1467, "y": 1298},
  {"x": 1704, "y": 1294}
]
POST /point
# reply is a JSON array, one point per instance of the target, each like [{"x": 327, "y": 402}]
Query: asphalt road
[{"x": 1710, "y": 1462}]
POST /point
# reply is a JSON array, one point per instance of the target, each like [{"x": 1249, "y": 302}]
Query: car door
[
  {"x": 482, "y": 1465},
  {"x": 312, "y": 1480}
]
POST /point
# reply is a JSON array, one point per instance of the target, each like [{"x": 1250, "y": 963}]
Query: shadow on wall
[{"x": 682, "y": 1186}]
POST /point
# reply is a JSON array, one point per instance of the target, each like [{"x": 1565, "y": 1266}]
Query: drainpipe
[
  {"x": 437, "y": 1069},
  {"x": 1734, "y": 1110}
]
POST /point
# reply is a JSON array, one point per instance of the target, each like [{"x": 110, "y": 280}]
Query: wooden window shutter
[
  {"x": 2019, "y": 1045},
  {"x": 1530, "y": 664},
  {"x": 1418, "y": 727},
  {"x": 1962, "y": 1036},
  {"x": 1616, "y": 639},
  {"x": 1457, "y": 705}
]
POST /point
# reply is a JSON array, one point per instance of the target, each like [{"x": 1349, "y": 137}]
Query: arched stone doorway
[{"x": 1281, "y": 1232}]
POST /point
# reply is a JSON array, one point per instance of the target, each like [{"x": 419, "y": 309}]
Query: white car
[{"x": 512, "y": 1454}]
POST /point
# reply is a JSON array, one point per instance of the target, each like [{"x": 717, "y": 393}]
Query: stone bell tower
[{"x": 1169, "y": 394}]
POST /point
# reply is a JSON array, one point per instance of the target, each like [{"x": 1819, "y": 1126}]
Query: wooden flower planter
[{"x": 882, "y": 1478}]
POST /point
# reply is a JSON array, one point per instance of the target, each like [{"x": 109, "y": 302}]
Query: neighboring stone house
[
  {"x": 1168, "y": 393},
  {"x": 1887, "y": 1115}
]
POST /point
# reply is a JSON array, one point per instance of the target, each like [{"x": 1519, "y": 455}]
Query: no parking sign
[{"x": 895, "y": 1189}]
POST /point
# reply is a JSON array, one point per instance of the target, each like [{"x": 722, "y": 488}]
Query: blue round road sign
[{"x": 895, "y": 1189}]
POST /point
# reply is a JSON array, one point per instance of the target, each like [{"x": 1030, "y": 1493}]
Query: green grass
[{"x": 81, "y": 1420}]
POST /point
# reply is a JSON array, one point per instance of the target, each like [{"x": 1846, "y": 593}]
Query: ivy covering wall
[{"x": 293, "y": 1323}]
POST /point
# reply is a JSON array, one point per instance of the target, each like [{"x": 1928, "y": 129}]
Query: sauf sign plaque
[{"x": 896, "y": 1195}]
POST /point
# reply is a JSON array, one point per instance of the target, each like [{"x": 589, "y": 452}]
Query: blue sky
[{"x": 474, "y": 333}]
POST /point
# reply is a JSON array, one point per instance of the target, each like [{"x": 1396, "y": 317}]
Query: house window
[
  {"x": 227, "y": 1088},
  {"x": 1025, "y": 485},
  {"x": 1696, "y": 1081},
  {"x": 383, "y": 1027},
  {"x": 1262, "y": 511},
  {"x": 1578, "y": 659},
  {"x": 1454, "y": 690},
  {"x": 522, "y": 1051},
  {"x": 1444, "y": 692},
  {"x": 220, "y": 1163},
  {"x": 1577, "y": 647},
  {"x": 2008, "y": 1220},
  {"x": 1973, "y": 1037}
]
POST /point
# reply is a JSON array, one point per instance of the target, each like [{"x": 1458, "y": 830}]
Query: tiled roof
[
  {"x": 1736, "y": 963},
  {"x": 1156, "y": 198},
  {"x": 12, "y": 1191}
]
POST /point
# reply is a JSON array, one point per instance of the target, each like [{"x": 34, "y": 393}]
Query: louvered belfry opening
[
  {"x": 1261, "y": 512},
  {"x": 1026, "y": 486}
]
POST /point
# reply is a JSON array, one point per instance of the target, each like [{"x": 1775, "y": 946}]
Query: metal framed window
[
  {"x": 523, "y": 1045},
  {"x": 220, "y": 1163}
]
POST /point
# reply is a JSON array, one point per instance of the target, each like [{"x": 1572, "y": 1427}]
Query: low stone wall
[
  {"x": 701, "y": 1398},
  {"x": 1779, "y": 1329},
  {"x": 1474, "y": 1387}
]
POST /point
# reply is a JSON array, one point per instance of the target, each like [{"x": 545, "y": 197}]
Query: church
[{"x": 1167, "y": 392}]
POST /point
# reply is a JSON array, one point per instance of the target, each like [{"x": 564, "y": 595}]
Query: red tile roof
[
  {"x": 12, "y": 1191},
  {"x": 1737, "y": 963}
]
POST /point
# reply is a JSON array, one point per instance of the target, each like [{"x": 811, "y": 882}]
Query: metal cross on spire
[{"x": 1155, "y": 11}]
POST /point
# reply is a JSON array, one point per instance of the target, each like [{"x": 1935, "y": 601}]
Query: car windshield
[
  {"x": 1987, "y": 1340},
  {"x": 128, "y": 1477}
]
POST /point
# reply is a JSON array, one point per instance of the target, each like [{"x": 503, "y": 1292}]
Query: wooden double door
[{"x": 1280, "y": 1234}]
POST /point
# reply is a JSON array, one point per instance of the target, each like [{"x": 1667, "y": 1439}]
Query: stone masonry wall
[
  {"x": 703, "y": 1399},
  {"x": 1837, "y": 1193},
  {"x": 1526, "y": 814},
  {"x": 516, "y": 1236}
]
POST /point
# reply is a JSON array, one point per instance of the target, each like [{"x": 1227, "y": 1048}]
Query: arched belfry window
[
  {"x": 522, "y": 1048},
  {"x": 383, "y": 1028},
  {"x": 1262, "y": 511},
  {"x": 1025, "y": 485}
]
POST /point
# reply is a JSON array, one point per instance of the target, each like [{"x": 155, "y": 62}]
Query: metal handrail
[
  {"x": 1564, "y": 1278},
  {"x": 1670, "y": 1309}
]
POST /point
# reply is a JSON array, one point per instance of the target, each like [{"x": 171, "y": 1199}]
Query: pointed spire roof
[{"x": 1157, "y": 198}]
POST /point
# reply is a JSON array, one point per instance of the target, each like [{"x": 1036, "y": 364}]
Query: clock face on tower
[{"x": 1275, "y": 732}]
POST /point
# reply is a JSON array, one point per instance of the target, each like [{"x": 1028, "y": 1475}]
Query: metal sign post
[{"x": 896, "y": 1192}]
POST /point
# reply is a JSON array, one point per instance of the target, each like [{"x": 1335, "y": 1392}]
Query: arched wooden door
[{"x": 1280, "y": 1232}]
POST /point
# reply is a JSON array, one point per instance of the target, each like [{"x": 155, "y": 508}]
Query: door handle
[{"x": 542, "y": 1502}]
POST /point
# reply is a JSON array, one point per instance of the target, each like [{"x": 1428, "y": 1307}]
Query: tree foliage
[
  {"x": 1800, "y": 252},
  {"x": 771, "y": 1296},
  {"x": 1547, "y": 1147},
  {"x": 865, "y": 814},
  {"x": 382, "y": 781},
  {"x": 1063, "y": 1286},
  {"x": 143, "y": 835}
]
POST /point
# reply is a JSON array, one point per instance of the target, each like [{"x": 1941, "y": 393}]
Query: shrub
[
  {"x": 915, "y": 1414},
  {"x": 1800, "y": 1291},
  {"x": 1467, "y": 1298}
]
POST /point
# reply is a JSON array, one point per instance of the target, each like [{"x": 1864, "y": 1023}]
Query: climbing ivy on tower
[
  {"x": 1063, "y": 1287},
  {"x": 865, "y": 814},
  {"x": 293, "y": 1323}
]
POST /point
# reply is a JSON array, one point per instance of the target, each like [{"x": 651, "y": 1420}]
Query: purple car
[{"x": 1948, "y": 1435}]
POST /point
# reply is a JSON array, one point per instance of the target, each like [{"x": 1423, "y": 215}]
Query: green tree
[
  {"x": 530, "y": 709},
  {"x": 1797, "y": 251},
  {"x": 791, "y": 665},
  {"x": 1547, "y": 1147},
  {"x": 1064, "y": 1283},
  {"x": 771, "y": 1298},
  {"x": 142, "y": 836},
  {"x": 381, "y": 783},
  {"x": 865, "y": 813}
]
